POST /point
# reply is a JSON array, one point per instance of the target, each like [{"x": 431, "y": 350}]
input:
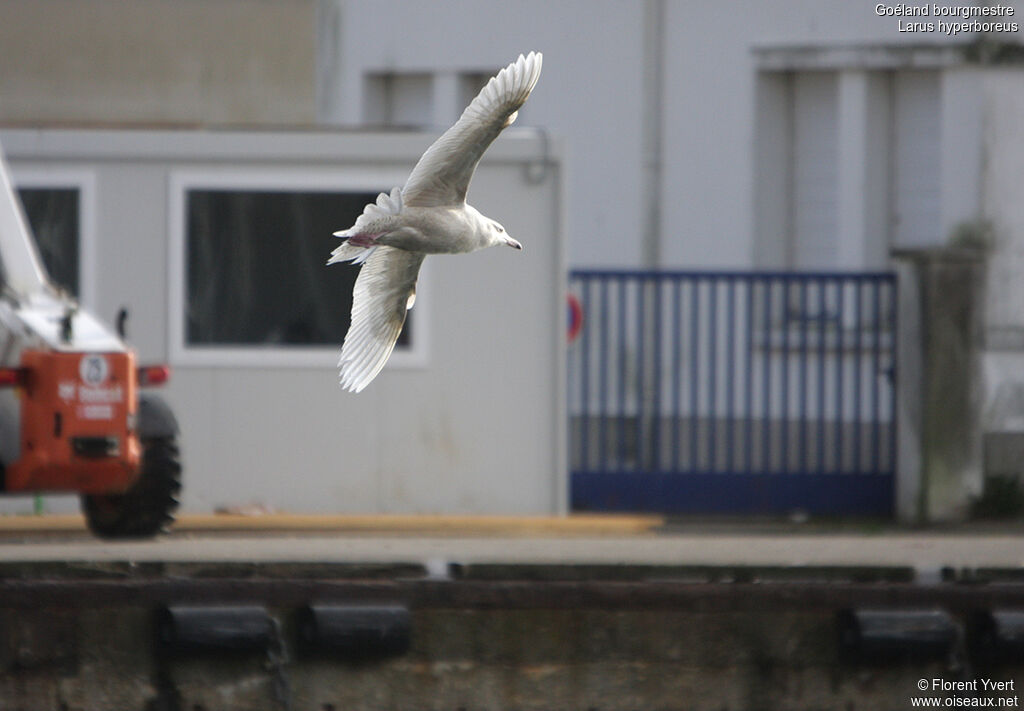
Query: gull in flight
[{"x": 427, "y": 216}]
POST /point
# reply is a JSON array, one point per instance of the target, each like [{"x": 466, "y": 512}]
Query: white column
[{"x": 863, "y": 169}]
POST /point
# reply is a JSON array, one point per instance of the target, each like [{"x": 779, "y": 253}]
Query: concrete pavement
[{"x": 436, "y": 541}]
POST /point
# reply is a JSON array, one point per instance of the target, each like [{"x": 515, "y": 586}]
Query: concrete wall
[
  {"x": 490, "y": 659},
  {"x": 474, "y": 423},
  {"x": 533, "y": 644},
  {"x": 1002, "y": 207},
  {"x": 1003, "y": 225},
  {"x": 940, "y": 388}
]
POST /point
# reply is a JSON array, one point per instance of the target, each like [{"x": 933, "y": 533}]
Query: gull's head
[{"x": 499, "y": 236}]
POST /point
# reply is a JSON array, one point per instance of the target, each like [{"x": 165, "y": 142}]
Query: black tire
[{"x": 148, "y": 507}]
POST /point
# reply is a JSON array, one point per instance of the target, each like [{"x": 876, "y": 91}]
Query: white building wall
[
  {"x": 592, "y": 94},
  {"x": 711, "y": 112},
  {"x": 157, "y": 62}
]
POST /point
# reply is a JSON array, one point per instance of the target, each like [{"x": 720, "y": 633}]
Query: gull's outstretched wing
[
  {"x": 385, "y": 290},
  {"x": 442, "y": 175}
]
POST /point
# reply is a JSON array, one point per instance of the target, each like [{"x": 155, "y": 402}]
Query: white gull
[{"x": 427, "y": 216}]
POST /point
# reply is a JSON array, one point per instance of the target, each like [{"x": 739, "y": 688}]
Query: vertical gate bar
[
  {"x": 603, "y": 367},
  {"x": 840, "y": 416},
  {"x": 639, "y": 440},
  {"x": 857, "y": 367},
  {"x": 730, "y": 371},
  {"x": 822, "y": 356},
  {"x": 620, "y": 425},
  {"x": 748, "y": 384},
  {"x": 766, "y": 386},
  {"x": 677, "y": 351},
  {"x": 694, "y": 369},
  {"x": 786, "y": 281},
  {"x": 572, "y": 368},
  {"x": 712, "y": 373},
  {"x": 804, "y": 367},
  {"x": 585, "y": 380},
  {"x": 893, "y": 290},
  {"x": 656, "y": 379},
  {"x": 876, "y": 374}
]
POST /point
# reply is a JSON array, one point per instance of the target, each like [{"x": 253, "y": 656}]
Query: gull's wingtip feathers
[{"x": 512, "y": 84}]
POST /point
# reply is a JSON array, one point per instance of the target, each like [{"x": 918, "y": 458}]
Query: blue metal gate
[{"x": 733, "y": 392}]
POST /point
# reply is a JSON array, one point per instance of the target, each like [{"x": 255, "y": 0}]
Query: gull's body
[{"x": 429, "y": 215}]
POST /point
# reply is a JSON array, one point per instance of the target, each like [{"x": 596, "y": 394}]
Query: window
[
  {"x": 52, "y": 215},
  {"x": 404, "y": 100},
  {"x": 58, "y": 206},
  {"x": 249, "y": 274}
]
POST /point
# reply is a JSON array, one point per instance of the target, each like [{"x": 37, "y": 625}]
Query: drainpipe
[
  {"x": 330, "y": 106},
  {"x": 652, "y": 103}
]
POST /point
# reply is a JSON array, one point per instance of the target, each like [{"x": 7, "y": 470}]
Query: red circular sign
[{"x": 575, "y": 317}]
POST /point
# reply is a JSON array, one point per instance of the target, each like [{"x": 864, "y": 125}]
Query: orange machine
[
  {"x": 78, "y": 413},
  {"x": 72, "y": 417},
  {"x": 79, "y": 432}
]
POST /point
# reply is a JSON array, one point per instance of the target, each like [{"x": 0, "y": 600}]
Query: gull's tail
[{"x": 367, "y": 223}]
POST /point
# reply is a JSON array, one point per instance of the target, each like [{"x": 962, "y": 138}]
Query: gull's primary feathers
[{"x": 427, "y": 216}]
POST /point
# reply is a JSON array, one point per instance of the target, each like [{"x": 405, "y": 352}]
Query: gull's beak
[{"x": 514, "y": 244}]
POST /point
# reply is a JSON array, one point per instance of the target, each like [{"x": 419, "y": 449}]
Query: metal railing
[{"x": 686, "y": 379}]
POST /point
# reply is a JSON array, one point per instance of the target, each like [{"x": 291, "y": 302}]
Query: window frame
[
  {"x": 35, "y": 176},
  {"x": 272, "y": 178}
]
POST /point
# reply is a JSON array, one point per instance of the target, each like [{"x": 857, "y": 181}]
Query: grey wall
[{"x": 157, "y": 62}]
